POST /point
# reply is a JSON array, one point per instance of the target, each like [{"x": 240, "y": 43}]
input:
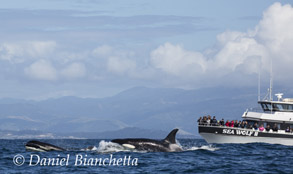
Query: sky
[{"x": 97, "y": 48}]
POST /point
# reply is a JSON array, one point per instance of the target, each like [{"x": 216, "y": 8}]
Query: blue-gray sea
[{"x": 197, "y": 157}]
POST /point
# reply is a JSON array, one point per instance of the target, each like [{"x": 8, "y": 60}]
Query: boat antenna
[
  {"x": 271, "y": 81},
  {"x": 258, "y": 85},
  {"x": 269, "y": 96}
]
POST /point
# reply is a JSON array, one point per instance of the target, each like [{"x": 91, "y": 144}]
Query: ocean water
[{"x": 197, "y": 157}]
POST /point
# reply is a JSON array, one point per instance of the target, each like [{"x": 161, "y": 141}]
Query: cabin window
[
  {"x": 269, "y": 106},
  {"x": 282, "y": 107},
  {"x": 277, "y": 107},
  {"x": 264, "y": 106},
  {"x": 290, "y": 107},
  {"x": 279, "y": 125},
  {"x": 284, "y": 126},
  {"x": 286, "y": 107}
]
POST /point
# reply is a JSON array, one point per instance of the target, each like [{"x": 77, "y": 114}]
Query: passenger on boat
[
  {"x": 209, "y": 120},
  {"x": 222, "y": 122},
  {"x": 214, "y": 121},
  {"x": 243, "y": 125},
  {"x": 248, "y": 126},
  {"x": 205, "y": 120},
  {"x": 287, "y": 129},
  {"x": 200, "y": 121},
  {"x": 236, "y": 123},
  {"x": 227, "y": 123},
  {"x": 261, "y": 128},
  {"x": 232, "y": 123},
  {"x": 275, "y": 128},
  {"x": 268, "y": 128},
  {"x": 239, "y": 123},
  {"x": 255, "y": 127}
]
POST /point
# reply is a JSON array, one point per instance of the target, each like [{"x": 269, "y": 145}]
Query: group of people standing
[{"x": 208, "y": 120}]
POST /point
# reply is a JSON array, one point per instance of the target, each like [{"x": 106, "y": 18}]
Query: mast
[
  {"x": 271, "y": 81},
  {"x": 258, "y": 85}
]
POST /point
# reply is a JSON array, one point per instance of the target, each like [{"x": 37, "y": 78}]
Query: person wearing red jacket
[
  {"x": 232, "y": 123},
  {"x": 227, "y": 124}
]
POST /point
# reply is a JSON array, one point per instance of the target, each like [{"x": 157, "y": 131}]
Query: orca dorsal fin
[{"x": 171, "y": 138}]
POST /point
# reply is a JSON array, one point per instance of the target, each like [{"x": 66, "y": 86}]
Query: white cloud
[
  {"x": 228, "y": 36},
  {"x": 74, "y": 70},
  {"x": 41, "y": 70},
  {"x": 274, "y": 31},
  {"x": 275, "y": 28},
  {"x": 19, "y": 52},
  {"x": 236, "y": 54},
  {"x": 175, "y": 60},
  {"x": 103, "y": 50},
  {"x": 235, "y": 51},
  {"x": 120, "y": 66}
]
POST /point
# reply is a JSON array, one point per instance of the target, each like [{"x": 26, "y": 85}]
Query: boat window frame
[{"x": 279, "y": 107}]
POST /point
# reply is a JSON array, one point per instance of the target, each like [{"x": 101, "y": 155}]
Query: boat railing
[
  {"x": 210, "y": 124},
  {"x": 219, "y": 125}
]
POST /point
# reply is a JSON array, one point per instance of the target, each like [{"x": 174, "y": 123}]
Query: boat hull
[{"x": 222, "y": 135}]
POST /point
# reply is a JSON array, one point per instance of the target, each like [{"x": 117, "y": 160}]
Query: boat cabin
[{"x": 278, "y": 112}]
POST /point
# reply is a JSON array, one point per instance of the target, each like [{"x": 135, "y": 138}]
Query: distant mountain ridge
[
  {"x": 129, "y": 132},
  {"x": 141, "y": 107}
]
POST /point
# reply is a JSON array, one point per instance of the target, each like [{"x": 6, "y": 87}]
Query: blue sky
[{"x": 93, "y": 48}]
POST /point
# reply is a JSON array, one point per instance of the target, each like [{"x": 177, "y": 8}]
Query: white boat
[{"x": 274, "y": 113}]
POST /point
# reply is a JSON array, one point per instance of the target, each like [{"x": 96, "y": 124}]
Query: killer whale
[
  {"x": 41, "y": 146},
  {"x": 166, "y": 145}
]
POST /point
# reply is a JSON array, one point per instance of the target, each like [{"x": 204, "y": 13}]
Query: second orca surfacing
[
  {"x": 166, "y": 145},
  {"x": 38, "y": 146}
]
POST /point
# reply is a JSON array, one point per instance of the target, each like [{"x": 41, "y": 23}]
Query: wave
[
  {"x": 204, "y": 147},
  {"x": 109, "y": 147}
]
